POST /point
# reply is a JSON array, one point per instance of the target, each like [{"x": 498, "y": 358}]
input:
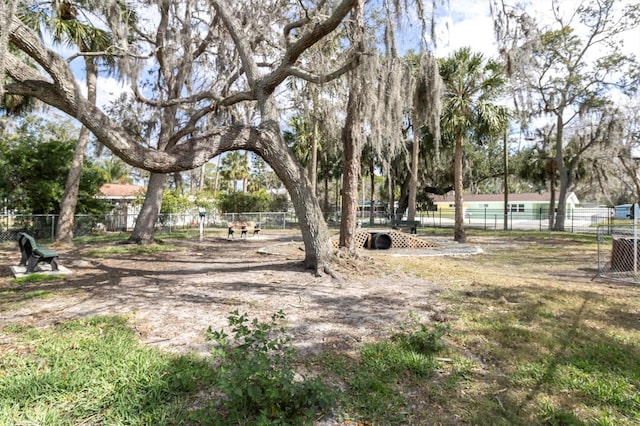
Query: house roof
[
  {"x": 120, "y": 191},
  {"x": 523, "y": 197}
]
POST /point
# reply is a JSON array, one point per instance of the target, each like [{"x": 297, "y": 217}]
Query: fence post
[
  {"x": 636, "y": 211},
  {"x": 540, "y": 219},
  {"x": 53, "y": 227},
  {"x": 485, "y": 218}
]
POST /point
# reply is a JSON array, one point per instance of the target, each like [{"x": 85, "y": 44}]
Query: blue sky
[{"x": 462, "y": 23}]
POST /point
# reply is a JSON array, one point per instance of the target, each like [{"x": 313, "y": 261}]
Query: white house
[
  {"x": 532, "y": 205},
  {"x": 122, "y": 197}
]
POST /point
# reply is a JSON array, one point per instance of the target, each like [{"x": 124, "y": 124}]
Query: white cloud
[
  {"x": 109, "y": 89},
  {"x": 468, "y": 23}
]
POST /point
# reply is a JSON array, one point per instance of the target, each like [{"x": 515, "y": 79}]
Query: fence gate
[{"x": 619, "y": 253}]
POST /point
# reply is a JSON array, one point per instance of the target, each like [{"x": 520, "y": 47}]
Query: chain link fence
[
  {"x": 43, "y": 227},
  {"x": 581, "y": 220},
  {"x": 619, "y": 253}
]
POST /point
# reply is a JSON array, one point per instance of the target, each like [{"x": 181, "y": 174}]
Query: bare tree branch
[
  {"x": 350, "y": 64},
  {"x": 233, "y": 27},
  {"x": 306, "y": 40}
]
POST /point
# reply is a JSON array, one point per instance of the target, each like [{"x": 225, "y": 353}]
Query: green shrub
[
  {"x": 258, "y": 377},
  {"x": 418, "y": 337},
  {"x": 240, "y": 202}
]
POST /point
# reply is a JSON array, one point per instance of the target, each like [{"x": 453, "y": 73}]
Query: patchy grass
[
  {"x": 14, "y": 295},
  {"x": 130, "y": 249},
  {"x": 13, "y": 298},
  {"x": 389, "y": 382},
  {"x": 549, "y": 346},
  {"x": 110, "y": 237},
  {"x": 93, "y": 371},
  {"x": 36, "y": 278},
  {"x": 529, "y": 339},
  {"x": 114, "y": 237}
]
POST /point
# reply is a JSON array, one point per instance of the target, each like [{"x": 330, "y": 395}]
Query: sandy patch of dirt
[{"x": 173, "y": 297}]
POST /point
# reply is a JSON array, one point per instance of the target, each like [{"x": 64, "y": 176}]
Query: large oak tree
[{"x": 237, "y": 53}]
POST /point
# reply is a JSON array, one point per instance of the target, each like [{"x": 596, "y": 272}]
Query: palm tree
[
  {"x": 115, "y": 170},
  {"x": 299, "y": 138},
  {"x": 235, "y": 168},
  {"x": 472, "y": 84},
  {"x": 66, "y": 29}
]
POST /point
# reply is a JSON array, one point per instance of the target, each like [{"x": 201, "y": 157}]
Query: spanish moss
[{"x": 8, "y": 9}]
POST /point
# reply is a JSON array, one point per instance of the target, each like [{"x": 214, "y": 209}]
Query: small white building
[
  {"x": 532, "y": 205},
  {"x": 124, "y": 209}
]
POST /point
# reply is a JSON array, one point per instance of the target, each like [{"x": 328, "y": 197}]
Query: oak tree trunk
[
  {"x": 313, "y": 166},
  {"x": 144, "y": 229},
  {"x": 352, "y": 151},
  {"x": 69, "y": 201},
  {"x": 352, "y": 135},
  {"x": 372, "y": 178},
  {"x": 315, "y": 233}
]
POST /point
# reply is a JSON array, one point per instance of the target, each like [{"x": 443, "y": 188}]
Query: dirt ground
[{"x": 173, "y": 297}]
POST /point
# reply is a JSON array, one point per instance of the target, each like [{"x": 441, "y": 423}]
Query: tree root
[
  {"x": 333, "y": 274},
  {"x": 343, "y": 259}
]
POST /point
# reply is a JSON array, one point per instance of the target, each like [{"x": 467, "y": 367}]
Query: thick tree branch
[
  {"x": 306, "y": 40},
  {"x": 233, "y": 27},
  {"x": 186, "y": 155},
  {"x": 349, "y": 65},
  {"x": 55, "y": 66},
  {"x": 19, "y": 71}
]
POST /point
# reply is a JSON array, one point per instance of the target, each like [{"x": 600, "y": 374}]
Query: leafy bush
[
  {"x": 174, "y": 201},
  {"x": 279, "y": 203},
  {"x": 241, "y": 202},
  {"x": 258, "y": 377},
  {"x": 35, "y": 157}
]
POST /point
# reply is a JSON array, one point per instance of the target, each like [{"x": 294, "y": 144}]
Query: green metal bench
[
  {"x": 32, "y": 254},
  {"x": 411, "y": 224}
]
